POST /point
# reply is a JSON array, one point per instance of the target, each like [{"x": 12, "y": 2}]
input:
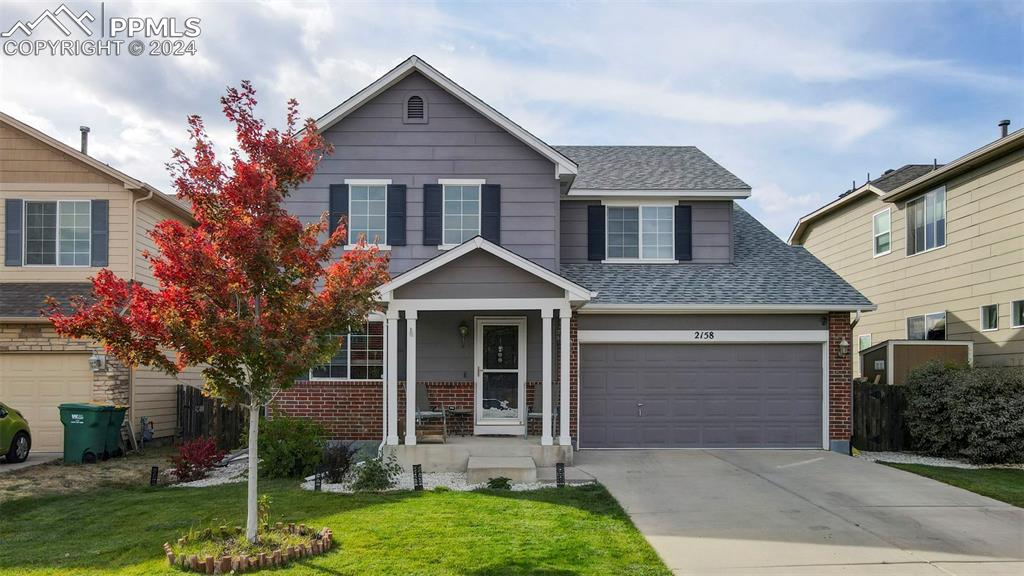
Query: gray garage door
[{"x": 700, "y": 395}]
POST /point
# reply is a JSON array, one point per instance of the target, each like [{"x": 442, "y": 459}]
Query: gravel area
[
  {"x": 452, "y": 480},
  {"x": 233, "y": 472},
  {"x": 911, "y": 458}
]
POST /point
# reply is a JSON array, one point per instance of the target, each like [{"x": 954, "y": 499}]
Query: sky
[{"x": 797, "y": 99}]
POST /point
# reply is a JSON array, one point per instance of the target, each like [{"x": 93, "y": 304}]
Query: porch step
[
  {"x": 519, "y": 469},
  {"x": 430, "y": 439}
]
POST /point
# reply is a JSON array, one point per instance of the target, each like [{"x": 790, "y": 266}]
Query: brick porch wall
[{"x": 840, "y": 375}]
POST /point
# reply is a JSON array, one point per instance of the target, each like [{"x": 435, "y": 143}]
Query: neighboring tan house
[
  {"x": 939, "y": 250},
  {"x": 65, "y": 215},
  {"x": 582, "y": 296}
]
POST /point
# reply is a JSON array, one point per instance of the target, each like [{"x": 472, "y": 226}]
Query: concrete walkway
[
  {"x": 33, "y": 459},
  {"x": 775, "y": 512}
]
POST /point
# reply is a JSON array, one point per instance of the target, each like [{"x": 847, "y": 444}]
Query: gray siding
[
  {"x": 712, "y": 231},
  {"x": 702, "y": 322},
  {"x": 373, "y": 142},
  {"x": 479, "y": 274}
]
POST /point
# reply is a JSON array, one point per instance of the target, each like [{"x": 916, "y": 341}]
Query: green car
[{"x": 14, "y": 434}]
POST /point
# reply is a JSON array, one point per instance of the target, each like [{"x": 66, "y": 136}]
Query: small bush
[
  {"x": 195, "y": 458},
  {"x": 500, "y": 483},
  {"x": 290, "y": 447},
  {"x": 972, "y": 413},
  {"x": 337, "y": 462},
  {"x": 377, "y": 474}
]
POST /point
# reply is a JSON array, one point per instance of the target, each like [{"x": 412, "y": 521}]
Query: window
[
  {"x": 57, "y": 233},
  {"x": 461, "y": 213},
  {"x": 863, "y": 342},
  {"x": 640, "y": 232},
  {"x": 368, "y": 213},
  {"x": 360, "y": 357},
  {"x": 926, "y": 222},
  {"x": 881, "y": 228},
  {"x": 1017, "y": 313},
  {"x": 927, "y": 327},
  {"x": 990, "y": 317}
]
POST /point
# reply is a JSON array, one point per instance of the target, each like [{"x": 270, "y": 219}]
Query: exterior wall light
[
  {"x": 844, "y": 348},
  {"x": 463, "y": 332},
  {"x": 97, "y": 362}
]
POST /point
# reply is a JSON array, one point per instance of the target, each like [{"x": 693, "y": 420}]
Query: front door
[{"x": 500, "y": 376}]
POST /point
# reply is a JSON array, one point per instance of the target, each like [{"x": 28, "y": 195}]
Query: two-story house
[
  {"x": 938, "y": 248},
  {"x": 66, "y": 215},
  {"x": 587, "y": 296}
]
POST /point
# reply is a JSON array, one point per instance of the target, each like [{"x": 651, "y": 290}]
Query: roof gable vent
[{"x": 415, "y": 110}]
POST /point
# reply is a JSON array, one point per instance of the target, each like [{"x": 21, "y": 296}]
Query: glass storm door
[{"x": 500, "y": 376}]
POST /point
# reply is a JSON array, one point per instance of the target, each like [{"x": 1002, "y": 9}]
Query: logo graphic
[{"x": 27, "y": 28}]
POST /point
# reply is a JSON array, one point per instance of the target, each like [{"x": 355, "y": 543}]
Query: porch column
[
  {"x": 545, "y": 434},
  {"x": 563, "y": 364},
  {"x": 410, "y": 378},
  {"x": 391, "y": 357}
]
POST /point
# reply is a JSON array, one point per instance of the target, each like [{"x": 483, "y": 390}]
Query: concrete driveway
[{"x": 776, "y": 512}]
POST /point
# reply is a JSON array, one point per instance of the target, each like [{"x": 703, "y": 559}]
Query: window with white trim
[
  {"x": 863, "y": 342},
  {"x": 359, "y": 357},
  {"x": 927, "y": 327},
  {"x": 58, "y": 233},
  {"x": 881, "y": 228},
  {"x": 644, "y": 232},
  {"x": 989, "y": 317},
  {"x": 461, "y": 207},
  {"x": 368, "y": 213},
  {"x": 926, "y": 222},
  {"x": 1017, "y": 313}
]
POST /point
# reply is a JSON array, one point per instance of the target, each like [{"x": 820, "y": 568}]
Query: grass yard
[
  {"x": 552, "y": 532},
  {"x": 1005, "y": 484}
]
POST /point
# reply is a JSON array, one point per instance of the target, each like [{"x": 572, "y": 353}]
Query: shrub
[
  {"x": 195, "y": 458},
  {"x": 963, "y": 412},
  {"x": 500, "y": 483},
  {"x": 290, "y": 447},
  {"x": 337, "y": 462},
  {"x": 377, "y": 474}
]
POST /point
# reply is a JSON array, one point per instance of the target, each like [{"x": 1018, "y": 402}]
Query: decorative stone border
[{"x": 320, "y": 543}]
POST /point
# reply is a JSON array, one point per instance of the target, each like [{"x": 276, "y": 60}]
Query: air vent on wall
[{"x": 414, "y": 108}]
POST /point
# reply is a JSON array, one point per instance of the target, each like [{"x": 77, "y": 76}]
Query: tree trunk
[{"x": 251, "y": 509}]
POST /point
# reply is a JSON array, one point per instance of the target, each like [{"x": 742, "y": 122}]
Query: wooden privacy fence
[
  {"x": 199, "y": 416},
  {"x": 878, "y": 423}
]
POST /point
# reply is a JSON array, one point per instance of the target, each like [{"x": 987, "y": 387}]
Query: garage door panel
[
  {"x": 36, "y": 383},
  {"x": 706, "y": 395}
]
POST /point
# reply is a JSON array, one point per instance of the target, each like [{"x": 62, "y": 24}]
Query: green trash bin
[
  {"x": 85, "y": 431},
  {"x": 113, "y": 442}
]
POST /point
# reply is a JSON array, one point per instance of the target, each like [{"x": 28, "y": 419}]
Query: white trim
[
  {"x": 574, "y": 291},
  {"x": 546, "y": 361},
  {"x": 1019, "y": 304},
  {"x": 563, "y": 165},
  {"x": 639, "y": 205},
  {"x": 391, "y": 361},
  {"x": 723, "y": 194},
  {"x": 923, "y": 198},
  {"x": 875, "y": 234},
  {"x": 981, "y": 317},
  {"x": 598, "y": 308},
  {"x": 506, "y": 425},
  {"x": 368, "y": 181},
  {"x": 429, "y": 304},
  {"x": 410, "y": 378},
  {"x": 906, "y": 323},
  {"x": 56, "y": 246},
  {"x": 461, "y": 181},
  {"x": 702, "y": 336},
  {"x": 367, "y": 246},
  {"x": 444, "y": 207}
]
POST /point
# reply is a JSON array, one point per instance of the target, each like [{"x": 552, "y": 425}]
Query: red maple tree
[{"x": 249, "y": 295}]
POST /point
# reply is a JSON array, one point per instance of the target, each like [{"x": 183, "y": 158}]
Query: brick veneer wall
[
  {"x": 840, "y": 375},
  {"x": 109, "y": 385},
  {"x": 350, "y": 410}
]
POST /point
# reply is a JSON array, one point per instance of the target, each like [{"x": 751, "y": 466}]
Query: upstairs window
[
  {"x": 368, "y": 213},
  {"x": 881, "y": 232},
  {"x": 989, "y": 317},
  {"x": 640, "y": 232},
  {"x": 1017, "y": 313},
  {"x": 927, "y": 327},
  {"x": 360, "y": 357},
  {"x": 926, "y": 222},
  {"x": 461, "y": 216},
  {"x": 57, "y": 233}
]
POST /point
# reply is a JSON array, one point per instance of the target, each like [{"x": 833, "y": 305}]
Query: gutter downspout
[
  {"x": 131, "y": 275},
  {"x": 856, "y": 319}
]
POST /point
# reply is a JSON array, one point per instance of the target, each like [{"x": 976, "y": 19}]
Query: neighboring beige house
[
  {"x": 65, "y": 215},
  {"x": 939, "y": 249}
]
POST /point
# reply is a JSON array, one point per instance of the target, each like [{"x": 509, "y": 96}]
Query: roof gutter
[{"x": 721, "y": 308}]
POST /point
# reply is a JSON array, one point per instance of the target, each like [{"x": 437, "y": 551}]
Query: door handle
[{"x": 479, "y": 370}]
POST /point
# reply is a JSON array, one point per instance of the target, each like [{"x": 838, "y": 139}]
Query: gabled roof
[
  {"x": 129, "y": 183},
  {"x": 563, "y": 166},
  {"x": 890, "y": 180},
  {"x": 576, "y": 292},
  {"x": 766, "y": 275},
  {"x": 679, "y": 170},
  {"x": 26, "y": 300}
]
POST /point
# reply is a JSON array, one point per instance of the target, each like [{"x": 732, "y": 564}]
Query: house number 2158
[{"x": 703, "y": 335}]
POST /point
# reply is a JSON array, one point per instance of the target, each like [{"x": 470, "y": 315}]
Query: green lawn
[
  {"x": 1005, "y": 484},
  {"x": 552, "y": 532}
]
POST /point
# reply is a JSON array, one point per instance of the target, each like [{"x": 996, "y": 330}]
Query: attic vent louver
[{"x": 414, "y": 108}]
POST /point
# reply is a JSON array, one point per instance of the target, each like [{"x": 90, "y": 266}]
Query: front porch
[{"x": 454, "y": 455}]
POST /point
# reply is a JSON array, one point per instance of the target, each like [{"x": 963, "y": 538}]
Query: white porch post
[
  {"x": 545, "y": 435},
  {"x": 563, "y": 364},
  {"x": 410, "y": 378},
  {"x": 391, "y": 357}
]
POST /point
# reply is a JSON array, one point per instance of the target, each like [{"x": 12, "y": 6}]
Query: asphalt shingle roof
[
  {"x": 765, "y": 270},
  {"x": 892, "y": 180},
  {"x": 26, "y": 299},
  {"x": 648, "y": 168}
]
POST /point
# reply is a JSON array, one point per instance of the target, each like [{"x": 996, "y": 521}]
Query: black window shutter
[
  {"x": 396, "y": 214},
  {"x": 100, "y": 232},
  {"x": 595, "y": 232},
  {"x": 432, "y": 197},
  {"x": 684, "y": 232},
  {"x": 12, "y": 231},
  {"x": 490, "y": 212},
  {"x": 338, "y": 206}
]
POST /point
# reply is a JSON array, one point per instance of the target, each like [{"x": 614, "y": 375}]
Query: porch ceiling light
[{"x": 463, "y": 332}]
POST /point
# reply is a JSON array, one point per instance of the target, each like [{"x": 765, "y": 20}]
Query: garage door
[
  {"x": 700, "y": 396},
  {"x": 35, "y": 384}
]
